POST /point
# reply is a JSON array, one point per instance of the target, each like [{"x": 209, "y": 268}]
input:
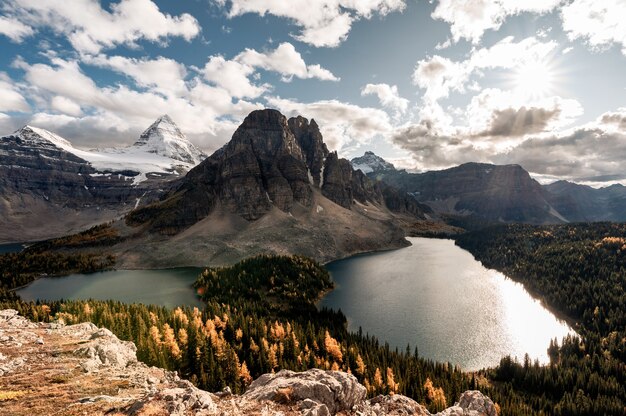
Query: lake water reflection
[{"x": 435, "y": 296}]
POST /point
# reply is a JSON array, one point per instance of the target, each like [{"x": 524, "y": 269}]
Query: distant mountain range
[
  {"x": 274, "y": 187},
  {"x": 500, "y": 193},
  {"x": 50, "y": 188}
]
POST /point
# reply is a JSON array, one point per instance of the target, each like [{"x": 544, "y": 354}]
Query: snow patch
[{"x": 319, "y": 209}]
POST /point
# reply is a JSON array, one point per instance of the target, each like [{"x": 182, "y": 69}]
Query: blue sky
[{"x": 426, "y": 84}]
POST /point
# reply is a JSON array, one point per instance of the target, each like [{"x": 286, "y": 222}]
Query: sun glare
[{"x": 534, "y": 79}]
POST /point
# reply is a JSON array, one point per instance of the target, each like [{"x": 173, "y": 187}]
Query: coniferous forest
[
  {"x": 579, "y": 271},
  {"x": 260, "y": 316}
]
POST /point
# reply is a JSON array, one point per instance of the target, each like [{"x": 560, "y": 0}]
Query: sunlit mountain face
[{"x": 426, "y": 85}]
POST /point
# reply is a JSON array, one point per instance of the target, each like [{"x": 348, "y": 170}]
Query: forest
[
  {"x": 260, "y": 316},
  {"x": 578, "y": 271}
]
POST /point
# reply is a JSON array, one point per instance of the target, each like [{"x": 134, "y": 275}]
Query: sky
[{"x": 425, "y": 84}]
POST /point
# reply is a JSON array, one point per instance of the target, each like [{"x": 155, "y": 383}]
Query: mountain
[
  {"x": 164, "y": 138},
  {"x": 276, "y": 188},
  {"x": 371, "y": 163},
  {"x": 488, "y": 192},
  {"x": 584, "y": 203},
  {"x": 49, "y": 188}
]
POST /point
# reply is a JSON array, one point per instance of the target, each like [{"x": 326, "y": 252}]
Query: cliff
[{"x": 82, "y": 369}]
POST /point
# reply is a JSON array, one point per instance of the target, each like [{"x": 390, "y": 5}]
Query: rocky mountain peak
[
  {"x": 312, "y": 144},
  {"x": 265, "y": 133},
  {"x": 370, "y": 162},
  {"x": 267, "y": 119},
  {"x": 38, "y": 136},
  {"x": 269, "y": 162},
  {"x": 164, "y": 138}
]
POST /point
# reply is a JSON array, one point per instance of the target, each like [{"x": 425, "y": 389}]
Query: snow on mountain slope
[
  {"x": 164, "y": 138},
  {"x": 370, "y": 162},
  {"x": 162, "y": 148}
]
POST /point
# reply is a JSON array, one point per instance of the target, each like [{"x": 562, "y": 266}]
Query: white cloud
[
  {"x": 14, "y": 29},
  {"x": 600, "y": 23},
  {"x": 433, "y": 149},
  {"x": 388, "y": 97},
  {"x": 10, "y": 98},
  {"x": 439, "y": 76},
  {"x": 341, "y": 124},
  {"x": 286, "y": 61},
  {"x": 323, "y": 23},
  {"x": 164, "y": 75},
  {"x": 116, "y": 115},
  {"x": 90, "y": 28},
  {"x": 592, "y": 153},
  {"x": 65, "y": 106},
  {"x": 234, "y": 75},
  {"x": 470, "y": 19},
  {"x": 504, "y": 115}
]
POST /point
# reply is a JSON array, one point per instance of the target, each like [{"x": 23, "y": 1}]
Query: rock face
[
  {"x": 312, "y": 144},
  {"x": 90, "y": 371}
]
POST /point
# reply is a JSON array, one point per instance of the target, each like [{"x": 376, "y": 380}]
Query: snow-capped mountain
[
  {"x": 50, "y": 188},
  {"x": 164, "y": 138},
  {"x": 370, "y": 162},
  {"x": 162, "y": 148},
  {"x": 36, "y": 137}
]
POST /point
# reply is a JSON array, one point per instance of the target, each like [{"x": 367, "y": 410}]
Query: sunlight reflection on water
[{"x": 435, "y": 296}]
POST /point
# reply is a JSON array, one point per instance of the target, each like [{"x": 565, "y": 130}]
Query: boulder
[
  {"x": 471, "y": 403},
  {"x": 106, "y": 350},
  {"x": 337, "y": 391}
]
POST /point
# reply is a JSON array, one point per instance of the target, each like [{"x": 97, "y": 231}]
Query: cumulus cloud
[
  {"x": 65, "y": 105},
  {"x": 164, "y": 75},
  {"x": 388, "y": 97},
  {"x": 593, "y": 153},
  {"x": 600, "y": 23},
  {"x": 323, "y": 23},
  {"x": 14, "y": 29},
  {"x": 90, "y": 28},
  {"x": 583, "y": 153},
  {"x": 341, "y": 124},
  {"x": 93, "y": 115},
  {"x": 617, "y": 119},
  {"x": 433, "y": 149},
  {"x": 234, "y": 75},
  {"x": 286, "y": 61},
  {"x": 520, "y": 121},
  {"x": 505, "y": 115},
  {"x": 470, "y": 19},
  {"x": 439, "y": 76},
  {"x": 10, "y": 98}
]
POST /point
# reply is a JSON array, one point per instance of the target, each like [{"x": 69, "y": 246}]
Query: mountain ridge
[{"x": 49, "y": 188}]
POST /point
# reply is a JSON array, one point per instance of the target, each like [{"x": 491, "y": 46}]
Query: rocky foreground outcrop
[{"x": 81, "y": 369}]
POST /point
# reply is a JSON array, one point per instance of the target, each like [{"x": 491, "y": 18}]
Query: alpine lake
[{"x": 431, "y": 295}]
